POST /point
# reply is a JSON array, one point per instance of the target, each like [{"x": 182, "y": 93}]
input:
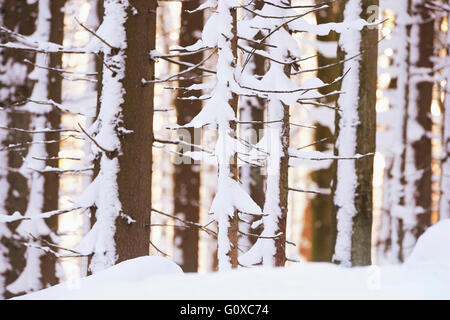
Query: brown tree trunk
[
  {"x": 354, "y": 213},
  {"x": 323, "y": 220},
  {"x": 233, "y": 230},
  {"x": 51, "y": 180},
  {"x": 99, "y": 69},
  {"x": 252, "y": 109},
  {"x": 280, "y": 242},
  {"x": 135, "y": 160},
  {"x": 422, "y": 147},
  {"x": 187, "y": 175},
  {"x": 17, "y": 15},
  {"x": 366, "y": 138}
]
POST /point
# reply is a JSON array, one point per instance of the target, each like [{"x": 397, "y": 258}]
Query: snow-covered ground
[{"x": 425, "y": 275}]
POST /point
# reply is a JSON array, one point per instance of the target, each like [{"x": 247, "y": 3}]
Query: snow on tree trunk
[
  {"x": 123, "y": 131},
  {"x": 444, "y": 206},
  {"x": 43, "y": 186},
  {"x": 187, "y": 176},
  {"x": 228, "y": 170},
  {"x": 418, "y": 152},
  {"x": 323, "y": 220},
  {"x": 407, "y": 193},
  {"x": 251, "y": 109},
  {"x": 393, "y": 189},
  {"x": 355, "y": 132},
  {"x": 277, "y": 137},
  {"x": 220, "y": 112},
  {"x": 15, "y": 15},
  {"x": 51, "y": 179}
]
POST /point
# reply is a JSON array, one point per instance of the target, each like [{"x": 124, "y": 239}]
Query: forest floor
[{"x": 425, "y": 275}]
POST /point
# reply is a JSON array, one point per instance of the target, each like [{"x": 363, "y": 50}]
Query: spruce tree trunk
[
  {"x": 355, "y": 132},
  {"x": 394, "y": 177},
  {"x": 424, "y": 96},
  {"x": 444, "y": 205},
  {"x": 124, "y": 136},
  {"x": 187, "y": 175},
  {"x": 20, "y": 16},
  {"x": 96, "y": 162},
  {"x": 252, "y": 109},
  {"x": 135, "y": 161},
  {"x": 51, "y": 180},
  {"x": 95, "y": 65},
  {"x": 233, "y": 229},
  {"x": 408, "y": 192},
  {"x": 323, "y": 220}
]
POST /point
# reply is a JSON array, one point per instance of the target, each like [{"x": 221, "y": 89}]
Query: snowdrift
[{"x": 425, "y": 275}]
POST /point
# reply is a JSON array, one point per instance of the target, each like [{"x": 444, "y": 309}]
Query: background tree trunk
[
  {"x": 323, "y": 219},
  {"x": 252, "y": 109},
  {"x": 20, "y": 16},
  {"x": 187, "y": 175},
  {"x": 51, "y": 180},
  {"x": 424, "y": 95}
]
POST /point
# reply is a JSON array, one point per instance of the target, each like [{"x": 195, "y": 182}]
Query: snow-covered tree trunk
[
  {"x": 94, "y": 66},
  {"x": 323, "y": 220},
  {"x": 355, "y": 132},
  {"x": 277, "y": 132},
  {"x": 407, "y": 195},
  {"x": 187, "y": 175},
  {"x": 220, "y": 32},
  {"x": 251, "y": 110},
  {"x": 15, "y": 15},
  {"x": 418, "y": 152},
  {"x": 227, "y": 46},
  {"x": 51, "y": 179},
  {"x": 43, "y": 184},
  {"x": 444, "y": 205},
  {"x": 393, "y": 189},
  {"x": 123, "y": 135}
]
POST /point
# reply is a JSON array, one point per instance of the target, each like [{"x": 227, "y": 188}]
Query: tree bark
[
  {"x": 187, "y": 175},
  {"x": 233, "y": 229},
  {"x": 124, "y": 136},
  {"x": 424, "y": 97},
  {"x": 355, "y": 132},
  {"x": 252, "y": 109},
  {"x": 407, "y": 211},
  {"x": 135, "y": 161},
  {"x": 444, "y": 205},
  {"x": 51, "y": 180},
  {"x": 323, "y": 220},
  {"x": 20, "y": 16}
]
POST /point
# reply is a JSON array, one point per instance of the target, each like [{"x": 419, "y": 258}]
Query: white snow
[
  {"x": 425, "y": 275},
  {"x": 346, "y": 141}
]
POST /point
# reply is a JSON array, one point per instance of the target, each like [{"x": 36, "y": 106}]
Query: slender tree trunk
[
  {"x": 394, "y": 180},
  {"x": 51, "y": 180},
  {"x": 15, "y": 15},
  {"x": 444, "y": 206},
  {"x": 233, "y": 229},
  {"x": 355, "y": 132},
  {"x": 187, "y": 175},
  {"x": 277, "y": 137},
  {"x": 423, "y": 95},
  {"x": 95, "y": 66},
  {"x": 323, "y": 220},
  {"x": 252, "y": 110}
]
